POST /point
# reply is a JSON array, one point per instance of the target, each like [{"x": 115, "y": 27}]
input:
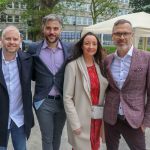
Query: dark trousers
[
  {"x": 51, "y": 117},
  {"x": 135, "y": 138}
]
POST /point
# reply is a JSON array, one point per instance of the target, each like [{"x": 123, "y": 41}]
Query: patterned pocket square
[{"x": 138, "y": 70}]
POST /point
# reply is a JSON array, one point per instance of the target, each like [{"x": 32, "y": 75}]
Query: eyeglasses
[{"x": 119, "y": 34}]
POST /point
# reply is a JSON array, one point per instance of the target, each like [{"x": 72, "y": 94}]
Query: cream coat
[{"x": 77, "y": 102}]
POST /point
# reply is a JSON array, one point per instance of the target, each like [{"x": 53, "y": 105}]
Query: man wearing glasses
[{"x": 126, "y": 111}]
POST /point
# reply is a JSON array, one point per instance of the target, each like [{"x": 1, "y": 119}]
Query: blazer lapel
[
  {"x": 108, "y": 66},
  {"x": 38, "y": 49},
  {"x": 133, "y": 64},
  {"x": 2, "y": 80},
  {"x": 20, "y": 61},
  {"x": 64, "y": 51},
  {"x": 85, "y": 77}
]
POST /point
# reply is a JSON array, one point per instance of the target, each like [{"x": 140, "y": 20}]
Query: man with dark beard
[{"x": 50, "y": 56}]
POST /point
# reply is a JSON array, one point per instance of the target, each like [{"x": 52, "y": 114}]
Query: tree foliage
[
  {"x": 104, "y": 8},
  {"x": 3, "y": 4},
  {"x": 98, "y": 8},
  {"x": 36, "y": 10},
  {"x": 42, "y": 3},
  {"x": 140, "y": 5},
  {"x": 49, "y": 3}
]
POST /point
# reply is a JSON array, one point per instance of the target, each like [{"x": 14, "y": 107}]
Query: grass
[{"x": 111, "y": 49}]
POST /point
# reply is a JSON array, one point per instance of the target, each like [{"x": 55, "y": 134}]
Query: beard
[
  {"x": 52, "y": 40},
  {"x": 122, "y": 46}
]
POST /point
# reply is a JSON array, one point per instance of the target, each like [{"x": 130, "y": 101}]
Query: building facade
[
  {"x": 12, "y": 15},
  {"x": 77, "y": 16},
  {"x": 80, "y": 16}
]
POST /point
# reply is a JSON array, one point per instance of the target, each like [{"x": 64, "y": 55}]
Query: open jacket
[
  {"x": 24, "y": 62},
  {"x": 77, "y": 101},
  {"x": 42, "y": 76},
  {"x": 133, "y": 94}
]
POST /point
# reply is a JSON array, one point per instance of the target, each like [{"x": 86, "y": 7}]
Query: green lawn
[{"x": 111, "y": 49}]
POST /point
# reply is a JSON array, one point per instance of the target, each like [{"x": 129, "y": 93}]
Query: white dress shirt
[
  {"x": 12, "y": 79},
  {"x": 120, "y": 69}
]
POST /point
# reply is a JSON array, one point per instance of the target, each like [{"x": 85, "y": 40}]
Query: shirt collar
[
  {"x": 45, "y": 46},
  {"x": 129, "y": 53},
  {"x": 3, "y": 58}
]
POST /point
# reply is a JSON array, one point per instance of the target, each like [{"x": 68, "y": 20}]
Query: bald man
[{"x": 16, "y": 116}]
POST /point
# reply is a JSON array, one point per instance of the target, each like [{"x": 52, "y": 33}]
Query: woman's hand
[{"x": 77, "y": 131}]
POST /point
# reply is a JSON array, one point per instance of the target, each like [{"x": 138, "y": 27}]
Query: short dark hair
[
  {"x": 77, "y": 50},
  {"x": 121, "y": 21}
]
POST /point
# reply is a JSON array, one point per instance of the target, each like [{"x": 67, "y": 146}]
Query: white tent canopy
[{"x": 140, "y": 22}]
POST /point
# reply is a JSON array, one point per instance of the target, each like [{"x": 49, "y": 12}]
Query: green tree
[
  {"x": 42, "y": 3},
  {"x": 36, "y": 9},
  {"x": 104, "y": 8},
  {"x": 146, "y": 8},
  {"x": 140, "y": 5},
  {"x": 3, "y": 4},
  {"x": 98, "y": 8},
  {"x": 49, "y": 3}
]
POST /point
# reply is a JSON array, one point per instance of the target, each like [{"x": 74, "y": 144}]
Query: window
[
  {"x": 9, "y": 18},
  {"x": 16, "y": 5},
  {"x": 23, "y": 6},
  {"x": 78, "y": 21},
  {"x": 10, "y": 5},
  {"x": 90, "y": 21},
  {"x": 107, "y": 39},
  {"x": 119, "y": 12},
  {"x": 70, "y": 35},
  {"x": 88, "y": 7},
  {"x": 17, "y": 19},
  {"x": 126, "y": 1},
  {"x": 70, "y": 20},
  {"x": 3, "y": 17},
  {"x": 73, "y": 20},
  {"x": 85, "y": 21}
]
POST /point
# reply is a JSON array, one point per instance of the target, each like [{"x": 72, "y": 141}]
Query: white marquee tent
[{"x": 140, "y": 22}]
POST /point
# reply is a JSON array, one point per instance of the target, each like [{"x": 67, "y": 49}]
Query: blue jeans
[{"x": 18, "y": 137}]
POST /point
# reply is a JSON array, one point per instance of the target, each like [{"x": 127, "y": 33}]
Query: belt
[
  {"x": 57, "y": 97},
  {"x": 121, "y": 117}
]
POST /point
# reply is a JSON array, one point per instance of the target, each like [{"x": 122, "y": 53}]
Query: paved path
[{"x": 34, "y": 142}]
